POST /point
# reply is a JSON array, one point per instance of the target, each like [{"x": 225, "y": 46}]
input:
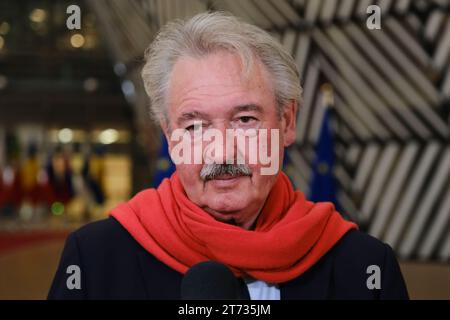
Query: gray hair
[{"x": 207, "y": 33}]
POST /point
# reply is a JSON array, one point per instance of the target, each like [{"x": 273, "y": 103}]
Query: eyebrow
[
  {"x": 193, "y": 115},
  {"x": 248, "y": 107}
]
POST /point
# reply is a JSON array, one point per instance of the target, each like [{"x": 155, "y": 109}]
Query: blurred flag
[
  {"x": 43, "y": 193},
  {"x": 29, "y": 172},
  {"x": 11, "y": 191},
  {"x": 288, "y": 166},
  {"x": 94, "y": 175},
  {"x": 164, "y": 165},
  {"x": 323, "y": 183},
  {"x": 60, "y": 177}
]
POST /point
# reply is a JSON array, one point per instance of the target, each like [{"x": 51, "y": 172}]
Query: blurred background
[{"x": 76, "y": 139}]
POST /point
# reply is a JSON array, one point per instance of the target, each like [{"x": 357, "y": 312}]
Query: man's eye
[
  {"x": 247, "y": 119},
  {"x": 193, "y": 127}
]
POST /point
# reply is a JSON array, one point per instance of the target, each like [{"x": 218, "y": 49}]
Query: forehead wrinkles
[
  {"x": 229, "y": 96},
  {"x": 218, "y": 87},
  {"x": 208, "y": 93},
  {"x": 220, "y": 68}
]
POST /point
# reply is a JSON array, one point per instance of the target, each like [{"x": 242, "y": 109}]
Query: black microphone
[{"x": 210, "y": 280}]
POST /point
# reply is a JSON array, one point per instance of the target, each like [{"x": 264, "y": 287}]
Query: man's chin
[{"x": 225, "y": 217}]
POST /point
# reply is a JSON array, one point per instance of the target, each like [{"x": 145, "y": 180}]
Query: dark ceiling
[{"x": 56, "y": 76}]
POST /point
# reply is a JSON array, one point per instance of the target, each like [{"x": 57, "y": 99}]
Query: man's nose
[{"x": 220, "y": 149}]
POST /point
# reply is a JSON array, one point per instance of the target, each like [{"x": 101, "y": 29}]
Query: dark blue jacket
[{"x": 114, "y": 266}]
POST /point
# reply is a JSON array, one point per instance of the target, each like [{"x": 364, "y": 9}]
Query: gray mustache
[{"x": 214, "y": 170}]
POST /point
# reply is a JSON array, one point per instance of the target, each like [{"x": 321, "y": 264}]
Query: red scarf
[{"x": 291, "y": 233}]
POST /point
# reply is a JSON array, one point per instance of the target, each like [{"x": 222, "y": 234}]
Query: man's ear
[{"x": 289, "y": 120}]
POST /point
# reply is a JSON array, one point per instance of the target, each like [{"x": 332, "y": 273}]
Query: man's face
[{"x": 211, "y": 89}]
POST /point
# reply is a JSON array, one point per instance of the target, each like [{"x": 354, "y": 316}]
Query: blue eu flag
[
  {"x": 288, "y": 166},
  {"x": 164, "y": 165},
  {"x": 323, "y": 183}
]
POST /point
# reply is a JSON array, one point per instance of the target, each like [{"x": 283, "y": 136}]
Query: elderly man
[{"x": 216, "y": 79}]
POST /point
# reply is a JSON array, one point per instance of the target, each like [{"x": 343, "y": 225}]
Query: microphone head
[{"x": 210, "y": 280}]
